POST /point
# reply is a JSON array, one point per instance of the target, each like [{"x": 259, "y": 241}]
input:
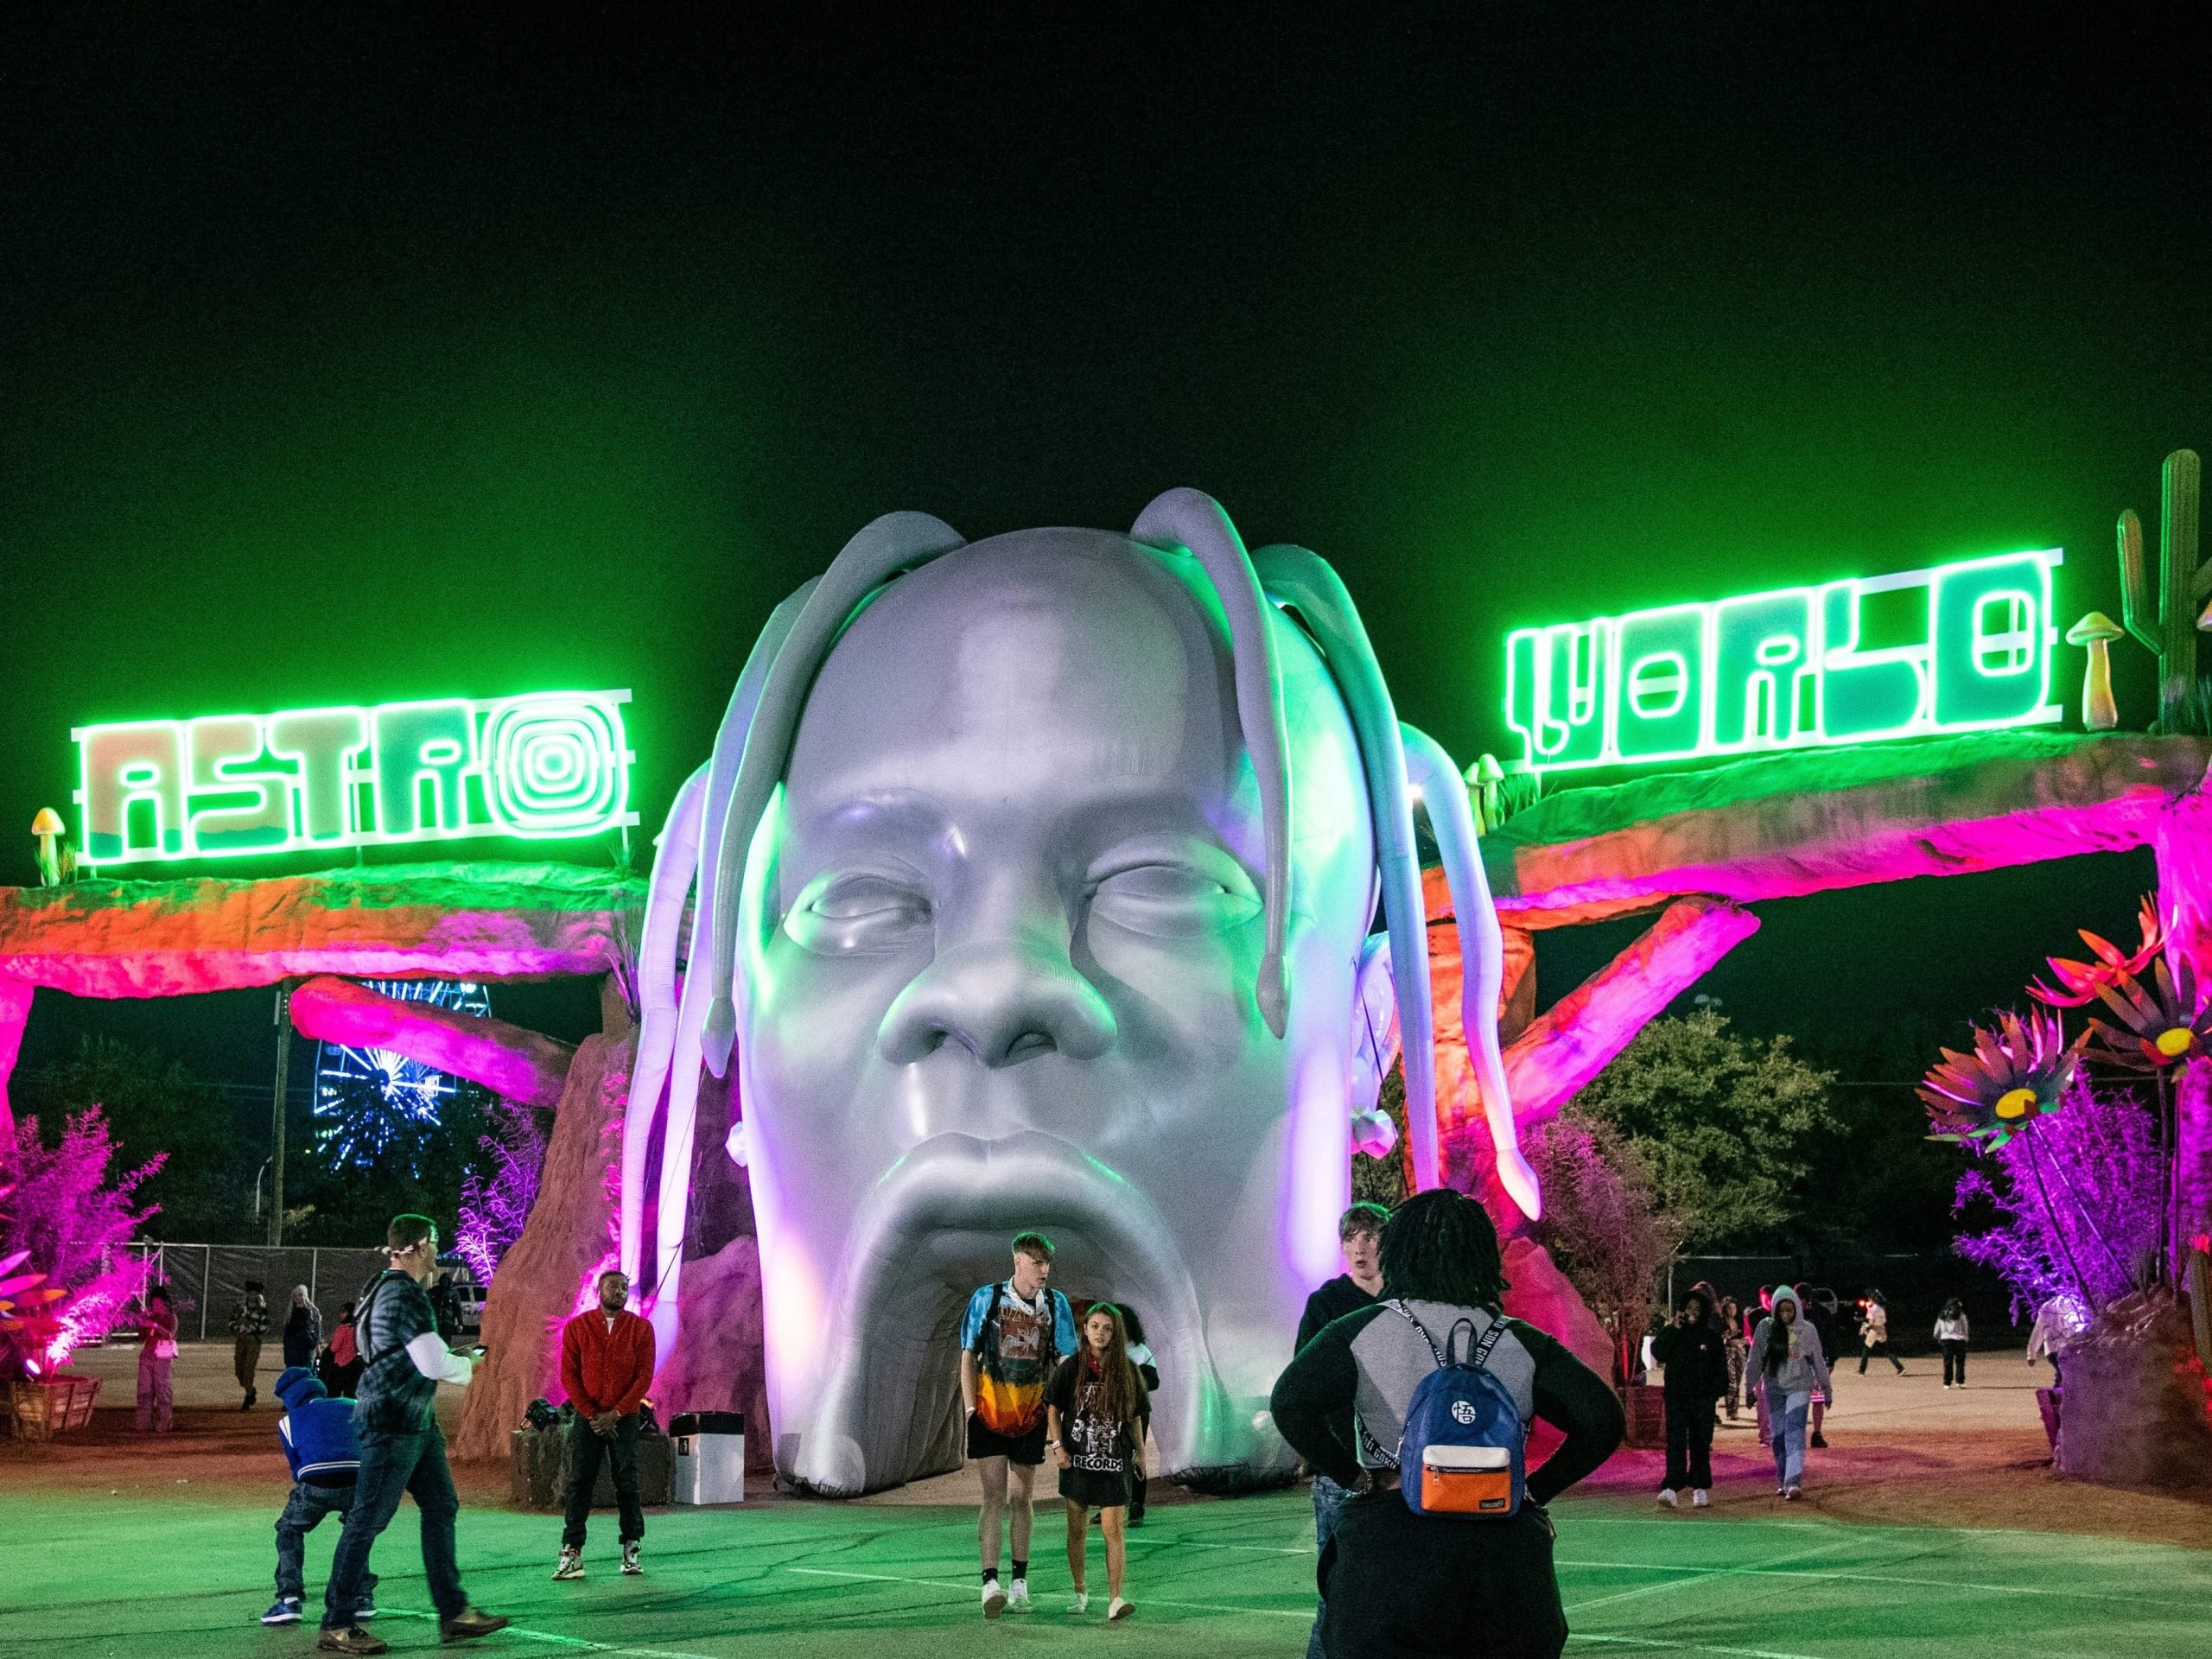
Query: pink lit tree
[
  {"x": 495, "y": 1203},
  {"x": 64, "y": 1276}
]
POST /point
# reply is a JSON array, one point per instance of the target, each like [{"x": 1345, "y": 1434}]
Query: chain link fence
[{"x": 206, "y": 1280}]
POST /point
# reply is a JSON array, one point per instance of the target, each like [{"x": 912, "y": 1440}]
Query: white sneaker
[
  {"x": 1667, "y": 1497},
  {"x": 630, "y": 1566},
  {"x": 993, "y": 1598},
  {"x": 1701, "y": 1498},
  {"x": 1077, "y": 1603},
  {"x": 1119, "y": 1609},
  {"x": 572, "y": 1564},
  {"x": 1017, "y": 1597}
]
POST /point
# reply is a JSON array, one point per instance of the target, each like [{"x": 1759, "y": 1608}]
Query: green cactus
[{"x": 2170, "y": 633}]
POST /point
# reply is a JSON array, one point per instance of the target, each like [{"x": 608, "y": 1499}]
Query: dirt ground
[{"x": 1902, "y": 1450}]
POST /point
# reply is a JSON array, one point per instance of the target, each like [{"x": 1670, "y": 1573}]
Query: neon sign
[
  {"x": 552, "y": 765},
  {"x": 1957, "y": 647}
]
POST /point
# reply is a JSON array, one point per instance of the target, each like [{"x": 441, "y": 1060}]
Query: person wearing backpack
[
  {"x": 1012, "y": 1339},
  {"x": 1444, "y": 1546},
  {"x": 403, "y": 1450},
  {"x": 1695, "y": 1356}
]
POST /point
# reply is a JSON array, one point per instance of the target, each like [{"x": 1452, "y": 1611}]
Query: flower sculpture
[
  {"x": 2013, "y": 1075},
  {"x": 2081, "y": 983},
  {"x": 2162, "y": 1023}
]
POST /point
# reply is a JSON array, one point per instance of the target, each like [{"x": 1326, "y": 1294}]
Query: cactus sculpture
[{"x": 2183, "y": 587}]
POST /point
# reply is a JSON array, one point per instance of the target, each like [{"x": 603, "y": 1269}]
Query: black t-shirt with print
[{"x": 1095, "y": 1443}]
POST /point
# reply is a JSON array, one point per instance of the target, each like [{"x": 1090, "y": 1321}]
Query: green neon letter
[
  {"x": 1661, "y": 709},
  {"x": 1992, "y": 641},
  {"x": 319, "y": 740},
  {"x": 420, "y": 742},
  {"x": 121, "y": 766},
  {"x": 251, "y": 806}
]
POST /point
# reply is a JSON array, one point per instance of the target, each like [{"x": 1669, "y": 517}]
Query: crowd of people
[{"x": 1379, "y": 1347}]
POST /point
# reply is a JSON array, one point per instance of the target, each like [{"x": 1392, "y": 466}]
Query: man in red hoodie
[{"x": 607, "y": 1365}]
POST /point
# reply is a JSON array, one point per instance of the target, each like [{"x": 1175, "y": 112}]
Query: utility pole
[{"x": 276, "y": 1111}]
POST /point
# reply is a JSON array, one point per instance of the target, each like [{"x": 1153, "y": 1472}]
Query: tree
[
  {"x": 156, "y": 1108},
  {"x": 1720, "y": 1122},
  {"x": 64, "y": 1213},
  {"x": 1602, "y": 1224}
]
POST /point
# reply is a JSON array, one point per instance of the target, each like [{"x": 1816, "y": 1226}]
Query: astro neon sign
[
  {"x": 1958, "y": 647},
  {"x": 553, "y": 764}
]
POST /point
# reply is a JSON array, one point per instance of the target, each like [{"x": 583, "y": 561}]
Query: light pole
[{"x": 276, "y": 1112}]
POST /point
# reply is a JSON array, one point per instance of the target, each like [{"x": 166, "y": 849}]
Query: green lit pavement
[{"x": 93, "y": 1574}]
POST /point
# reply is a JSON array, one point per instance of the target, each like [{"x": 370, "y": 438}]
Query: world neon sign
[
  {"x": 1958, "y": 647},
  {"x": 551, "y": 764}
]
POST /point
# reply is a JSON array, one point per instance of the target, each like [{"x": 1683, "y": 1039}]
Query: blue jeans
[
  {"x": 1328, "y": 1500},
  {"x": 1789, "y": 1438},
  {"x": 393, "y": 1464},
  {"x": 303, "y": 1513}
]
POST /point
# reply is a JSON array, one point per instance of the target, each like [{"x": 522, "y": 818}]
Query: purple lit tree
[
  {"x": 495, "y": 1203},
  {"x": 64, "y": 1278}
]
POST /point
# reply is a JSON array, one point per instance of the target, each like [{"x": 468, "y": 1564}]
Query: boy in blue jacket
[{"x": 317, "y": 1433}]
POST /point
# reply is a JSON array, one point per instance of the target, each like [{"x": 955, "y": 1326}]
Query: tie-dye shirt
[{"x": 1016, "y": 1344}]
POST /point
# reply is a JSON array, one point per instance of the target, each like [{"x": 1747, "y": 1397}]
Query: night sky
[{"x": 415, "y": 356}]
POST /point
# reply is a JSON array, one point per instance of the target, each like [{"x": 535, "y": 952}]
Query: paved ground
[{"x": 118, "y": 1545}]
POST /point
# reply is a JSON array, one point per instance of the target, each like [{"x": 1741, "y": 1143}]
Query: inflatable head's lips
[{"x": 950, "y": 1207}]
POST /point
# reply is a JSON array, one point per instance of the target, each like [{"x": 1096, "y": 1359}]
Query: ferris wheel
[{"x": 370, "y": 1102}]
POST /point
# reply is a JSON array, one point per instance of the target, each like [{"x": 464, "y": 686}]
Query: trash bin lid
[{"x": 686, "y": 1423}]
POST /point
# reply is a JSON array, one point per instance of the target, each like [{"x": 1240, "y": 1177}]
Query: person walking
[
  {"x": 1140, "y": 1356},
  {"x": 607, "y": 1365},
  {"x": 1695, "y": 1356},
  {"x": 339, "y": 1363},
  {"x": 1094, "y": 1412},
  {"x": 1751, "y": 1322},
  {"x": 1012, "y": 1339},
  {"x": 403, "y": 1450},
  {"x": 1392, "y": 1582},
  {"x": 156, "y": 1353},
  {"x": 317, "y": 1434},
  {"x": 302, "y": 1332},
  {"x": 1820, "y": 1307},
  {"x": 249, "y": 1327},
  {"x": 1874, "y": 1333},
  {"x": 1733, "y": 1334},
  {"x": 1951, "y": 1335},
  {"x": 2057, "y": 1321},
  {"x": 1791, "y": 1367},
  {"x": 1359, "y": 1238}
]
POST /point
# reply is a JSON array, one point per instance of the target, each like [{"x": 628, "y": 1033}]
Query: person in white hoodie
[
  {"x": 1951, "y": 1334},
  {"x": 1788, "y": 1361}
]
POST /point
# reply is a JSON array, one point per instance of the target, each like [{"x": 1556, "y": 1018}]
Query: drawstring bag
[{"x": 1461, "y": 1454}]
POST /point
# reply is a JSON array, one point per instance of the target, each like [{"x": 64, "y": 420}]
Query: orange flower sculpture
[
  {"x": 2013, "y": 1075},
  {"x": 2162, "y": 1023},
  {"x": 2081, "y": 983}
]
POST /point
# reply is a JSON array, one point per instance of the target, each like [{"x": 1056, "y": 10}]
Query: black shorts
[{"x": 1025, "y": 1449}]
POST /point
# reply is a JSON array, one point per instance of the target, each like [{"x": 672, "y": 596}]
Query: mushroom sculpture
[
  {"x": 47, "y": 827},
  {"x": 1488, "y": 793},
  {"x": 2097, "y": 632}
]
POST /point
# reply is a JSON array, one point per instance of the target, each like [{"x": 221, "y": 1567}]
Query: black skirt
[
  {"x": 1398, "y": 1584},
  {"x": 1095, "y": 1489}
]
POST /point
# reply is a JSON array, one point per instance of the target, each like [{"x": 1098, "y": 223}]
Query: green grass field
[{"x": 95, "y": 1572}]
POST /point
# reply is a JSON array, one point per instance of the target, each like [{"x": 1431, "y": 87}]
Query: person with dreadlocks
[
  {"x": 1095, "y": 1410},
  {"x": 1031, "y": 884},
  {"x": 1393, "y": 1582}
]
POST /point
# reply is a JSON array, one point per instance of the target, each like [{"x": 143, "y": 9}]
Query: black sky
[{"x": 362, "y": 353}]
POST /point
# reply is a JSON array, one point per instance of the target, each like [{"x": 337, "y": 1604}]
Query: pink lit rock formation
[
  {"x": 2135, "y": 1412},
  {"x": 403, "y": 921},
  {"x": 569, "y": 1233},
  {"x": 514, "y": 1064},
  {"x": 719, "y": 1362},
  {"x": 15, "y": 1010},
  {"x": 1783, "y": 825}
]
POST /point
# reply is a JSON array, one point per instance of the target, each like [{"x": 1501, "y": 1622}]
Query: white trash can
[{"x": 709, "y": 1456}]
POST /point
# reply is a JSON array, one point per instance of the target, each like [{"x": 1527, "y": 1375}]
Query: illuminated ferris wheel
[{"x": 371, "y": 1102}]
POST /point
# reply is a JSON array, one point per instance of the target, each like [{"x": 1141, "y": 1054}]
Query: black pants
[
  {"x": 1954, "y": 1362},
  {"x": 1880, "y": 1351},
  {"x": 1689, "y": 1445},
  {"x": 1393, "y": 1584},
  {"x": 585, "y": 1447}
]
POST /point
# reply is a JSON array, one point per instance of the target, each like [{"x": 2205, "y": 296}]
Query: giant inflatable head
[{"x": 1036, "y": 890}]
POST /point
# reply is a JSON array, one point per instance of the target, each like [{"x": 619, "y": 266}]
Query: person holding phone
[{"x": 156, "y": 1353}]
